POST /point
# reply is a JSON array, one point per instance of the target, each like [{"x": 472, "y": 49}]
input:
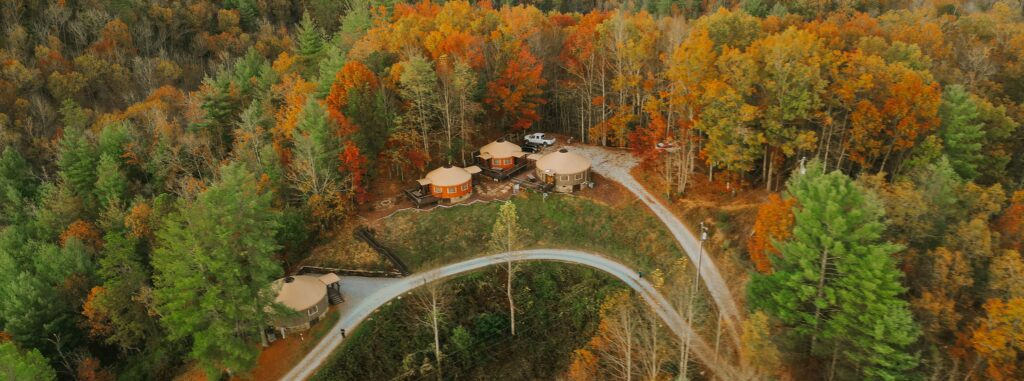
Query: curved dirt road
[
  {"x": 386, "y": 290},
  {"x": 616, "y": 165}
]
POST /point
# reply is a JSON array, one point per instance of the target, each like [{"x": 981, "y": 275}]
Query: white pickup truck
[{"x": 539, "y": 139}]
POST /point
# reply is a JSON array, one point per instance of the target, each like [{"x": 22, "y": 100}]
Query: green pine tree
[
  {"x": 249, "y": 14},
  {"x": 113, "y": 139},
  {"x": 76, "y": 163},
  {"x": 252, "y": 75},
  {"x": 873, "y": 328},
  {"x": 835, "y": 272},
  {"x": 28, "y": 365},
  {"x": 315, "y": 168},
  {"x": 42, "y": 288},
  {"x": 17, "y": 186},
  {"x": 219, "y": 109},
  {"x": 214, "y": 267},
  {"x": 111, "y": 183},
  {"x": 334, "y": 60},
  {"x": 125, "y": 275},
  {"x": 310, "y": 43},
  {"x": 961, "y": 131}
]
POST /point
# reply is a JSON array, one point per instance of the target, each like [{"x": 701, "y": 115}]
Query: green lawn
[{"x": 630, "y": 234}]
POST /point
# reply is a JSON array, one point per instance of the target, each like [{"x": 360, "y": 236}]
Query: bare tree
[
  {"x": 431, "y": 306},
  {"x": 506, "y": 236},
  {"x": 617, "y": 345}
]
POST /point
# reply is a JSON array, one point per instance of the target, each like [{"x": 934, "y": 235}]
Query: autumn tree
[
  {"x": 418, "y": 81},
  {"x": 998, "y": 338},
  {"x": 792, "y": 74},
  {"x": 515, "y": 94},
  {"x": 759, "y": 353},
  {"x": 773, "y": 224}
]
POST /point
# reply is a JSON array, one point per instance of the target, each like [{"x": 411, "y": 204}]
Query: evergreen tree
[
  {"x": 219, "y": 109},
  {"x": 76, "y": 163},
  {"x": 16, "y": 365},
  {"x": 354, "y": 24},
  {"x": 873, "y": 327},
  {"x": 111, "y": 183},
  {"x": 125, "y": 275},
  {"x": 248, "y": 13},
  {"x": 961, "y": 131},
  {"x": 113, "y": 138},
  {"x": 42, "y": 287},
  {"x": 315, "y": 168},
  {"x": 17, "y": 185},
  {"x": 334, "y": 60},
  {"x": 252, "y": 75},
  {"x": 214, "y": 266},
  {"x": 310, "y": 43},
  {"x": 834, "y": 273}
]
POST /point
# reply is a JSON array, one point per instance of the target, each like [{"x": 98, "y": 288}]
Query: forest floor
[{"x": 728, "y": 212}]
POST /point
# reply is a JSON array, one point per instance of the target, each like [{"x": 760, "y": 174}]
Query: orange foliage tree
[
  {"x": 774, "y": 220},
  {"x": 515, "y": 94},
  {"x": 1011, "y": 223},
  {"x": 999, "y": 339},
  {"x": 98, "y": 321},
  {"x": 85, "y": 232}
]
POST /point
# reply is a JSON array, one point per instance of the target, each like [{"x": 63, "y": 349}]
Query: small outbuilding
[
  {"x": 447, "y": 185},
  {"x": 565, "y": 171},
  {"x": 308, "y": 295}
]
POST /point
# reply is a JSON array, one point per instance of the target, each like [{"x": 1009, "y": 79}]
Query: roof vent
[
  {"x": 289, "y": 279},
  {"x": 563, "y": 150}
]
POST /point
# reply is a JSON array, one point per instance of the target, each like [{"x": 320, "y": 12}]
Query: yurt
[
  {"x": 500, "y": 154},
  {"x": 567, "y": 171},
  {"x": 450, "y": 184},
  {"x": 305, "y": 294}
]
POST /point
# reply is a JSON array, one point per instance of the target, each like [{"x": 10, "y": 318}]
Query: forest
[{"x": 163, "y": 161}]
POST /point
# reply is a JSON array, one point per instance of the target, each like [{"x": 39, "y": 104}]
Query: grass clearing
[{"x": 628, "y": 233}]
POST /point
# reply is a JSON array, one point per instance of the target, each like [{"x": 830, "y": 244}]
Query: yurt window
[
  {"x": 451, "y": 190},
  {"x": 565, "y": 178},
  {"x": 312, "y": 311},
  {"x": 465, "y": 186},
  {"x": 579, "y": 176}
]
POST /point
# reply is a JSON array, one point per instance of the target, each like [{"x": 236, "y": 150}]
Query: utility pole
[{"x": 689, "y": 305}]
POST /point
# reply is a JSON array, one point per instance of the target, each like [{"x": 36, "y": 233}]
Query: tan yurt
[
  {"x": 450, "y": 184},
  {"x": 306, "y": 294},
  {"x": 566, "y": 171},
  {"x": 500, "y": 154}
]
